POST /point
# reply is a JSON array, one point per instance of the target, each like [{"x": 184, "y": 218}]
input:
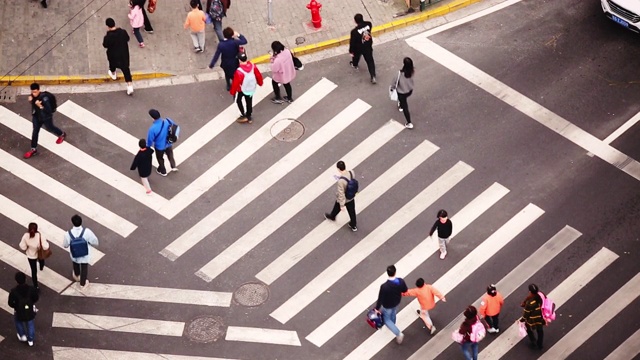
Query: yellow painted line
[{"x": 26, "y": 80}]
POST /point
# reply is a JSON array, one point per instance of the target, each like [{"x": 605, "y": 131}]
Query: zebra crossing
[{"x": 346, "y": 317}]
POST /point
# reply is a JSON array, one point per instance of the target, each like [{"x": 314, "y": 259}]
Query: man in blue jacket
[
  {"x": 228, "y": 49},
  {"x": 157, "y": 138}
]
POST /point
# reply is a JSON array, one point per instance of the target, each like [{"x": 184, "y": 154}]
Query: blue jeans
[
  {"x": 25, "y": 328},
  {"x": 217, "y": 27},
  {"x": 470, "y": 350},
  {"x": 136, "y": 32},
  {"x": 389, "y": 318}
]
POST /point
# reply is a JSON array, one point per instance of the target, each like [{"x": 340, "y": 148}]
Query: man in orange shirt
[
  {"x": 196, "y": 21},
  {"x": 426, "y": 295},
  {"x": 490, "y": 308}
]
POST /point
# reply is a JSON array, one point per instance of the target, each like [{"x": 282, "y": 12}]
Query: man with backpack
[
  {"x": 22, "y": 299},
  {"x": 158, "y": 137},
  {"x": 345, "y": 197},
  {"x": 43, "y": 105},
  {"x": 78, "y": 240},
  {"x": 389, "y": 298},
  {"x": 246, "y": 80},
  {"x": 361, "y": 44},
  {"x": 217, "y": 9}
]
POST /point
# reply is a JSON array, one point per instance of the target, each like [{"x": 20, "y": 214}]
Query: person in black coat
[
  {"x": 116, "y": 41},
  {"x": 142, "y": 162},
  {"x": 22, "y": 299},
  {"x": 361, "y": 45}
]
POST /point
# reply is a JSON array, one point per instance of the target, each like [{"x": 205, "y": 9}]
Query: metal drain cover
[
  {"x": 8, "y": 94},
  {"x": 251, "y": 294},
  {"x": 292, "y": 132},
  {"x": 205, "y": 329}
]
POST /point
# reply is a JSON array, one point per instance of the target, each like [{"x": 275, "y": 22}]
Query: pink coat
[
  {"x": 282, "y": 69},
  {"x": 135, "y": 17}
]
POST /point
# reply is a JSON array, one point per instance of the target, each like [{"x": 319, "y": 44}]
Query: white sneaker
[
  {"x": 30, "y": 343},
  {"x": 491, "y": 330},
  {"x": 495, "y": 331},
  {"x": 408, "y": 125},
  {"x": 74, "y": 277},
  {"x": 399, "y": 338},
  {"x": 433, "y": 329},
  {"x": 22, "y": 338},
  {"x": 113, "y": 75},
  {"x": 129, "y": 89},
  {"x": 443, "y": 255},
  {"x": 174, "y": 169}
]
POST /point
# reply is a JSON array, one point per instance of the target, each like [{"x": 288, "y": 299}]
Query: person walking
[
  {"x": 30, "y": 243},
  {"x": 361, "y": 45},
  {"x": 532, "y": 317},
  {"x": 490, "y": 307},
  {"x": 152, "y": 7},
  {"x": 403, "y": 84},
  {"x": 389, "y": 298},
  {"x": 426, "y": 295},
  {"x": 142, "y": 161},
  {"x": 341, "y": 197},
  {"x": 22, "y": 299},
  {"x": 245, "y": 82},
  {"x": 445, "y": 228},
  {"x": 157, "y": 138},
  {"x": 228, "y": 50},
  {"x": 217, "y": 9},
  {"x": 116, "y": 41},
  {"x": 282, "y": 71},
  {"x": 195, "y": 22},
  {"x": 469, "y": 338},
  {"x": 78, "y": 240},
  {"x": 42, "y": 108},
  {"x": 136, "y": 19}
]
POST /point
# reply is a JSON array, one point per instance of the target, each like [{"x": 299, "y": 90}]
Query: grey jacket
[{"x": 405, "y": 85}]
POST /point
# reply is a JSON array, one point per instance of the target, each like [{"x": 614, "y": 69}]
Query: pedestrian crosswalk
[{"x": 293, "y": 262}]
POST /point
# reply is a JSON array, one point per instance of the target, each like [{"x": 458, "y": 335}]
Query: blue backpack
[
  {"x": 78, "y": 245},
  {"x": 352, "y": 187}
]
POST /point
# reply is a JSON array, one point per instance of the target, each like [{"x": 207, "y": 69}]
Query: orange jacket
[
  {"x": 491, "y": 305},
  {"x": 426, "y": 296}
]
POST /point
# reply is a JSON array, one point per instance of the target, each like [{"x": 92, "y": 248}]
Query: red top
[{"x": 238, "y": 77}]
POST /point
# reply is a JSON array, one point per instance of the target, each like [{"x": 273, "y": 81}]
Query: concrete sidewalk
[{"x": 64, "y": 42}]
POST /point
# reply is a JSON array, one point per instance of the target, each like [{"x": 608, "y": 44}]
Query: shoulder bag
[{"x": 43, "y": 254}]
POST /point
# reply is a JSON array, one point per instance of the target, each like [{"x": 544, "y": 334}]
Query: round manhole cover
[
  {"x": 293, "y": 130},
  {"x": 251, "y": 294},
  {"x": 205, "y": 329},
  {"x": 300, "y": 40}
]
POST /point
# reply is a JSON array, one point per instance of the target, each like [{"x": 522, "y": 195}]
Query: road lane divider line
[
  {"x": 119, "y": 324},
  {"x": 4, "y": 301},
  {"x": 69, "y": 353},
  {"x": 629, "y": 349},
  {"x": 619, "y": 131},
  {"x": 263, "y": 336},
  {"x": 371, "y": 242}
]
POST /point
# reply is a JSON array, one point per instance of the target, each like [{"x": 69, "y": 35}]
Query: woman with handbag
[
  {"x": 402, "y": 85},
  {"x": 36, "y": 249},
  {"x": 283, "y": 72}
]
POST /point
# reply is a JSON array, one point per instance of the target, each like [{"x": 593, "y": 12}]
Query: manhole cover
[
  {"x": 293, "y": 130},
  {"x": 8, "y": 94},
  {"x": 251, "y": 294},
  {"x": 205, "y": 329},
  {"x": 300, "y": 40}
]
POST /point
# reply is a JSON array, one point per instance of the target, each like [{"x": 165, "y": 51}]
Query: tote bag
[{"x": 393, "y": 90}]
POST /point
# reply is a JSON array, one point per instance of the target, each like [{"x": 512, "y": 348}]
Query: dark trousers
[
  {"x": 249, "y": 100},
  {"x": 540, "y": 332},
  {"x": 33, "y": 264},
  {"x": 136, "y": 33},
  {"x": 368, "y": 58},
  {"x": 147, "y": 23},
  {"x": 228, "y": 75},
  {"x": 402, "y": 99},
  {"x": 125, "y": 71},
  {"x": 160, "y": 157},
  {"x": 81, "y": 270},
  {"x": 493, "y": 321},
  {"x": 351, "y": 210},
  {"x": 37, "y": 124},
  {"x": 287, "y": 88}
]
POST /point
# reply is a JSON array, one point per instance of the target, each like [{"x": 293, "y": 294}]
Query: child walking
[
  {"x": 142, "y": 162},
  {"x": 490, "y": 308},
  {"x": 136, "y": 19},
  {"x": 445, "y": 228},
  {"x": 195, "y": 22},
  {"x": 426, "y": 295}
]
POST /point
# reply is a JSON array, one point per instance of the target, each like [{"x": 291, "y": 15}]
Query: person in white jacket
[
  {"x": 31, "y": 242},
  {"x": 78, "y": 240}
]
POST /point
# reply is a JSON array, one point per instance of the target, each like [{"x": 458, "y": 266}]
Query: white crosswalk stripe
[
  {"x": 68, "y": 353},
  {"x": 115, "y": 323},
  {"x": 629, "y": 349}
]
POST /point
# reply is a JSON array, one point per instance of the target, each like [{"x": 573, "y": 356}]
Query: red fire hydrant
[{"x": 316, "y": 19}]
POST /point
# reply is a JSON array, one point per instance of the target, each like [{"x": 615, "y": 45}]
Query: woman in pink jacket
[
  {"x": 282, "y": 72},
  {"x": 136, "y": 19}
]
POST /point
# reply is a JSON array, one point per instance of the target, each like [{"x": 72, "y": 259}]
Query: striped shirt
[{"x": 532, "y": 312}]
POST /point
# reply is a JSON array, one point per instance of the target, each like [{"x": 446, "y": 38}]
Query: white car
[{"x": 623, "y": 12}]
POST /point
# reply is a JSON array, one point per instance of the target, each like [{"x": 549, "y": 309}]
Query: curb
[{"x": 26, "y": 80}]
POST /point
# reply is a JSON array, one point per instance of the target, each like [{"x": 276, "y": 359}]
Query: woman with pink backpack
[{"x": 470, "y": 333}]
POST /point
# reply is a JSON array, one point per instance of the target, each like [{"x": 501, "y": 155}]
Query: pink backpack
[
  {"x": 478, "y": 331},
  {"x": 548, "y": 308}
]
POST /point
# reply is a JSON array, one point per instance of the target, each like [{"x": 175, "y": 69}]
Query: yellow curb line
[
  {"x": 26, "y": 80},
  {"x": 377, "y": 30}
]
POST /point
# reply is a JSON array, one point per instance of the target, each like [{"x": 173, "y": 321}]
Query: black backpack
[
  {"x": 52, "y": 100},
  {"x": 174, "y": 132},
  {"x": 352, "y": 187}
]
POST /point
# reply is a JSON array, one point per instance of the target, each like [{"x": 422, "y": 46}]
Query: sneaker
[
  {"x": 85, "y": 286},
  {"x": 148, "y": 32},
  {"x": 141, "y": 45},
  {"x": 149, "y": 192},
  {"x": 399, "y": 107},
  {"x": 496, "y": 331},
  {"x": 353, "y": 228},
  {"x": 129, "y": 89},
  {"x": 74, "y": 277},
  {"x": 328, "y": 217},
  {"x": 373, "y": 80},
  {"x": 174, "y": 169},
  {"x": 196, "y": 49},
  {"x": 443, "y": 255},
  {"x": 300, "y": 68},
  {"x": 287, "y": 99},
  {"x": 418, "y": 311},
  {"x": 113, "y": 75},
  {"x": 30, "y": 153},
  {"x": 491, "y": 330},
  {"x": 200, "y": 50},
  {"x": 22, "y": 338},
  {"x": 353, "y": 66},
  {"x": 242, "y": 119},
  {"x": 433, "y": 329},
  {"x": 161, "y": 174},
  {"x": 30, "y": 342},
  {"x": 61, "y": 138},
  {"x": 277, "y": 101},
  {"x": 408, "y": 125},
  {"x": 399, "y": 338}
]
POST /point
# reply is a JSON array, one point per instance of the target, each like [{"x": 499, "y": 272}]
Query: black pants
[
  {"x": 368, "y": 58},
  {"x": 228, "y": 75},
  {"x": 33, "y": 263},
  {"x": 249, "y": 100},
  {"x": 351, "y": 209},
  {"x": 125, "y": 71},
  {"x": 147, "y": 23},
  {"x": 493, "y": 321},
  {"x": 160, "y": 157},
  {"x": 402, "y": 99},
  {"x": 540, "y": 332},
  {"x": 81, "y": 270},
  {"x": 37, "y": 124},
  {"x": 287, "y": 88}
]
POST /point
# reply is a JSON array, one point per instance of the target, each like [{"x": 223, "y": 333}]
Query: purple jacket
[{"x": 282, "y": 69}]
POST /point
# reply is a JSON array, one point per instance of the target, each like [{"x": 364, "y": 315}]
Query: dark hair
[
  {"x": 391, "y": 270},
  {"x": 471, "y": 312},
  {"x": 358, "y": 19},
  {"x": 407, "y": 67},
  {"x": 194, "y": 4},
  {"x": 341, "y": 166},
  {"x": 142, "y": 143},
  {"x": 533, "y": 288},
  {"x": 227, "y": 33},
  {"x": 35, "y": 86},
  {"x": 33, "y": 229},
  {"x": 442, "y": 213},
  {"x": 420, "y": 282},
  {"x": 21, "y": 278},
  {"x": 277, "y": 47},
  {"x": 491, "y": 290},
  {"x": 76, "y": 220},
  {"x": 110, "y": 22},
  {"x": 242, "y": 57}
]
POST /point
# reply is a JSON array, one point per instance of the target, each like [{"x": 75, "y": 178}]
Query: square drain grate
[{"x": 8, "y": 94}]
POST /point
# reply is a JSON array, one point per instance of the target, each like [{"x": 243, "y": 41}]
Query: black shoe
[
  {"x": 353, "y": 228},
  {"x": 161, "y": 174},
  {"x": 353, "y": 66},
  {"x": 44, "y": 3},
  {"x": 328, "y": 217}
]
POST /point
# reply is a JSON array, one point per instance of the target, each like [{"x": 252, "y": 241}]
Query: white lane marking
[
  {"x": 18, "y": 261},
  {"x": 371, "y": 242},
  {"x": 243, "y": 151},
  {"x": 69, "y": 353},
  {"x": 119, "y": 324},
  {"x": 65, "y": 195},
  {"x": 325, "y": 229},
  {"x": 49, "y": 231},
  {"x": 509, "y": 337},
  {"x": 83, "y": 161},
  {"x": 528, "y": 107},
  {"x": 263, "y": 336},
  {"x": 629, "y": 349},
  {"x": 151, "y": 293},
  {"x": 510, "y": 283},
  {"x": 619, "y": 131},
  {"x": 296, "y": 203},
  {"x": 595, "y": 321},
  {"x": 4, "y": 301},
  {"x": 407, "y": 264}
]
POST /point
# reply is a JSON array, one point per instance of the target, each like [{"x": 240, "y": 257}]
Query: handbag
[
  {"x": 152, "y": 6},
  {"x": 522, "y": 328},
  {"x": 457, "y": 337},
  {"x": 43, "y": 254},
  {"x": 393, "y": 90}
]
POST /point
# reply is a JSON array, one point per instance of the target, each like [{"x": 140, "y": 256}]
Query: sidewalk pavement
[{"x": 63, "y": 44}]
